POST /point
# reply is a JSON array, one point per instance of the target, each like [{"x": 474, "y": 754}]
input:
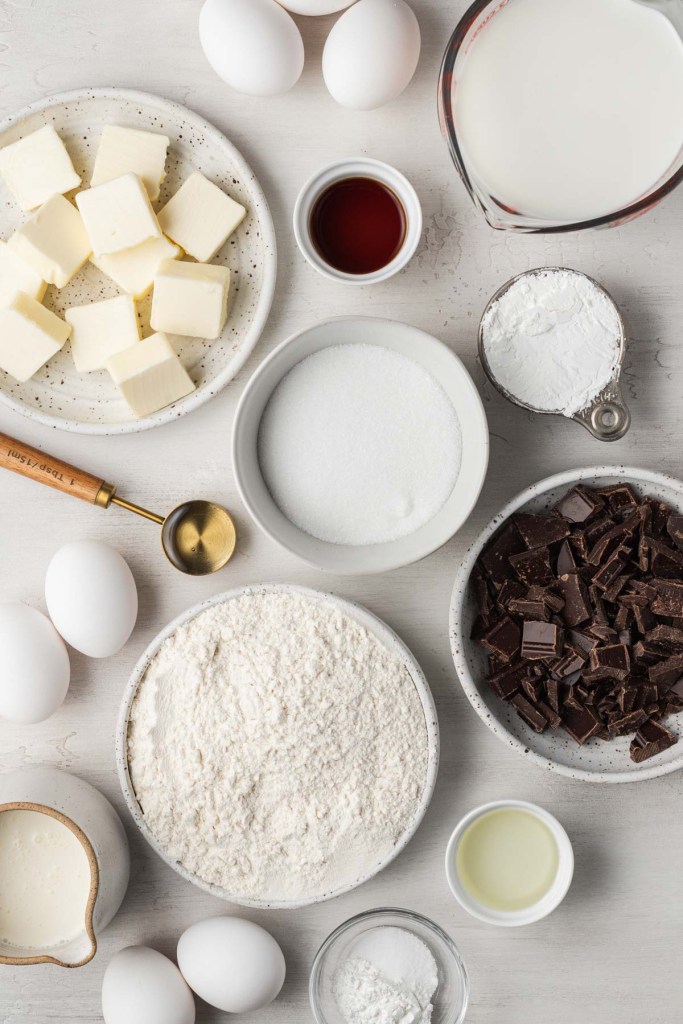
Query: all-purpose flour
[
  {"x": 276, "y": 747},
  {"x": 553, "y": 340}
]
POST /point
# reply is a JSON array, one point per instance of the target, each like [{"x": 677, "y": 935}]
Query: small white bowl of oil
[{"x": 509, "y": 863}]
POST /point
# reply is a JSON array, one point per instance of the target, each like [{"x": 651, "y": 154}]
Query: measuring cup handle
[
  {"x": 608, "y": 418},
  {"x": 45, "y": 469}
]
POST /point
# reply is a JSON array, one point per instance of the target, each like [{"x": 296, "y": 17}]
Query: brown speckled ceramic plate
[
  {"x": 58, "y": 396},
  {"x": 597, "y": 761}
]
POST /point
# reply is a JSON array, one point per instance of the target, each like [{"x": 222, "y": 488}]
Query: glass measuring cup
[
  {"x": 496, "y": 213},
  {"x": 607, "y": 418}
]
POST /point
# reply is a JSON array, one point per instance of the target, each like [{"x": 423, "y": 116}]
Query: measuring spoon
[
  {"x": 198, "y": 537},
  {"x": 607, "y": 417}
]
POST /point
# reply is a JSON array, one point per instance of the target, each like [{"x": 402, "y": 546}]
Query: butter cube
[
  {"x": 149, "y": 375},
  {"x": 200, "y": 217},
  {"x": 128, "y": 149},
  {"x": 191, "y": 299},
  {"x": 53, "y": 241},
  {"x": 117, "y": 215},
  {"x": 16, "y": 275},
  {"x": 37, "y": 167},
  {"x": 133, "y": 269},
  {"x": 30, "y": 334},
  {"x": 100, "y": 330}
]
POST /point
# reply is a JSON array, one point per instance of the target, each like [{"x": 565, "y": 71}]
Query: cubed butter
[
  {"x": 200, "y": 217},
  {"x": 30, "y": 334},
  {"x": 16, "y": 275},
  {"x": 190, "y": 298},
  {"x": 100, "y": 330},
  {"x": 133, "y": 270},
  {"x": 117, "y": 215},
  {"x": 149, "y": 375},
  {"x": 37, "y": 167},
  {"x": 124, "y": 150},
  {"x": 53, "y": 241}
]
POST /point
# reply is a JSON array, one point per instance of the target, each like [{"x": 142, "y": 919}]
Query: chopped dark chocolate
[
  {"x": 503, "y": 638},
  {"x": 581, "y": 610},
  {"x": 541, "y": 640},
  {"x": 533, "y": 567},
  {"x": 528, "y": 713},
  {"x": 579, "y": 504},
  {"x": 540, "y": 531},
  {"x": 577, "y": 607},
  {"x": 651, "y": 739}
]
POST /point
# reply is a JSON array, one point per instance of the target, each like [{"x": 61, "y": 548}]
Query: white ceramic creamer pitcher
[{"x": 101, "y": 851}]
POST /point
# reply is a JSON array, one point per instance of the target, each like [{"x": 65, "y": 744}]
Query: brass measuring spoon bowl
[
  {"x": 608, "y": 417},
  {"x": 198, "y": 537}
]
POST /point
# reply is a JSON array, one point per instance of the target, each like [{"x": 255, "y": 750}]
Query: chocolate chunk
[
  {"x": 666, "y": 672},
  {"x": 579, "y": 504},
  {"x": 581, "y": 723},
  {"x": 674, "y": 527},
  {"x": 495, "y": 561},
  {"x": 540, "y": 531},
  {"x": 667, "y": 636},
  {"x": 623, "y": 724},
  {"x": 510, "y": 590},
  {"x": 664, "y": 560},
  {"x": 651, "y": 739},
  {"x": 533, "y": 689},
  {"x": 615, "y": 660},
  {"x": 646, "y": 653},
  {"x": 660, "y": 512},
  {"x": 612, "y": 568},
  {"x": 618, "y": 496},
  {"x": 541, "y": 640},
  {"x": 503, "y": 639},
  {"x": 581, "y": 642},
  {"x": 552, "y": 688},
  {"x": 614, "y": 589},
  {"x": 506, "y": 682},
  {"x": 576, "y": 601},
  {"x": 530, "y": 609},
  {"x": 533, "y": 567},
  {"x": 551, "y": 716},
  {"x": 565, "y": 560},
  {"x": 528, "y": 713},
  {"x": 644, "y": 619},
  {"x": 568, "y": 665},
  {"x": 669, "y": 600}
]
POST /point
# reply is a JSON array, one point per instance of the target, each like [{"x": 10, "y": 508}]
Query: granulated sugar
[
  {"x": 359, "y": 445},
  {"x": 552, "y": 340}
]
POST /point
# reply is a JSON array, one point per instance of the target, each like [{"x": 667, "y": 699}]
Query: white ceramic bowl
[
  {"x": 384, "y": 634},
  {"x": 90, "y": 403},
  {"x": 597, "y": 761},
  {"x": 444, "y": 366},
  {"x": 539, "y": 910},
  {"x": 358, "y": 167}
]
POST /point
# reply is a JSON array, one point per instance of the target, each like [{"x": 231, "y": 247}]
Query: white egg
[
  {"x": 313, "y": 7},
  {"x": 91, "y": 597},
  {"x": 232, "y": 964},
  {"x": 371, "y": 53},
  {"x": 34, "y": 665},
  {"x": 141, "y": 986},
  {"x": 253, "y": 45}
]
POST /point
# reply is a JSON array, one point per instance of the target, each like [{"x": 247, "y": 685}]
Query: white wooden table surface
[{"x": 612, "y": 952}]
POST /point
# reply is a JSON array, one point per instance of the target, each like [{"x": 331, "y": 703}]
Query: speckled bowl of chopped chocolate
[{"x": 567, "y": 624}]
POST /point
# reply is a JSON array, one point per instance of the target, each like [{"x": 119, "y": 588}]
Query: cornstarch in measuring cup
[
  {"x": 390, "y": 976},
  {"x": 359, "y": 445},
  {"x": 553, "y": 341}
]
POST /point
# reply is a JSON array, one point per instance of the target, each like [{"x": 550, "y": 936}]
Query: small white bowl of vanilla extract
[
  {"x": 509, "y": 863},
  {"x": 358, "y": 221}
]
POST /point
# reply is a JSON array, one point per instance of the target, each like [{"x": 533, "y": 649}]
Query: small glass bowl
[
  {"x": 452, "y": 995},
  {"x": 497, "y": 214}
]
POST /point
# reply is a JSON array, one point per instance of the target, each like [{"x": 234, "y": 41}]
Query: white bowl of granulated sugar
[{"x": 360, "y": 445}]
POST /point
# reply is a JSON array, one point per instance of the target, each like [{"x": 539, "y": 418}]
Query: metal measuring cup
[{"x": 607, "y": 418}]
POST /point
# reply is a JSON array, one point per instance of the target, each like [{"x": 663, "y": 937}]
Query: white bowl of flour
[
  {"x": 360, "y": 445},
  {"x": 277, "y": 746}
]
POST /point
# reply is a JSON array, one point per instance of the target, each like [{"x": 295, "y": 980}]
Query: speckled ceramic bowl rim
[
  {"x": 262, "y": 309},
  {"x": 383, "y": 633},
  {"x": 459, "y": 642},
  {"x": 379, "y": 915},
  {"x": 555, "y": 894}
]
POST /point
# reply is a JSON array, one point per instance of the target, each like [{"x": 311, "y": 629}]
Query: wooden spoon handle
[{"x": 45, "y": 469}]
